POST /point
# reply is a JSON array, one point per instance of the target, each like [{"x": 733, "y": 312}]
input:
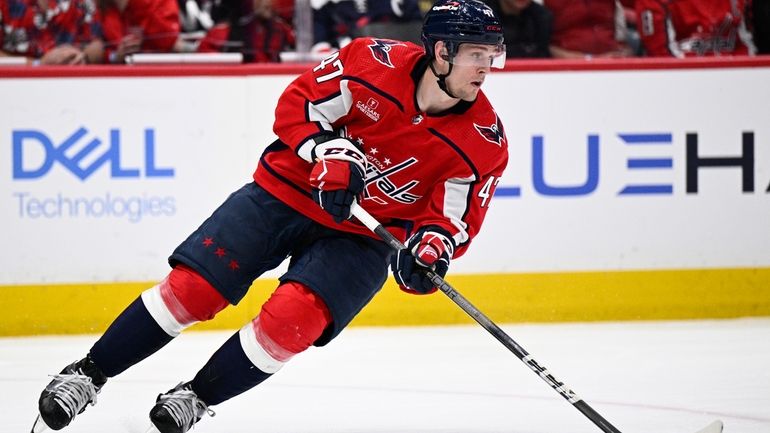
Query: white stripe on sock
[
  {"x": 255, "y": 352},
  {"x": 153, "y": 301}
]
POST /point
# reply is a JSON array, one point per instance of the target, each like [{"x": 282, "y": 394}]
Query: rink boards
[
  {"x": 505, "y": 298},
  {"x": 634, "y": 191}
]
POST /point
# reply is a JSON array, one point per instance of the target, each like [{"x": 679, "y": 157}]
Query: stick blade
[
  {"x": 714, "y": 427},
  {"x": 39, "y": 426}
]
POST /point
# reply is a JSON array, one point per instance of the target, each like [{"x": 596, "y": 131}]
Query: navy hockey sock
[
  {"x": 228, "y": 373},
  {"x": 133, "y": 336}
]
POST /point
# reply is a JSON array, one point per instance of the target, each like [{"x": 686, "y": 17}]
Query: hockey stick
[{"x": 569, "y": 395}]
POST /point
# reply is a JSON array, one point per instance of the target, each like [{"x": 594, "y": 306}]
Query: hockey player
[{"x": 405, "y": 131}]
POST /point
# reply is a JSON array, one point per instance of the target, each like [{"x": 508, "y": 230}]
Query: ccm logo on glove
[{"x": 337, "y": 178}]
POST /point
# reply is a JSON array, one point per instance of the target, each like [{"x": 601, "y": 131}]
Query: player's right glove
[
  {"x": 429, "y": 249},
  {"x": 337, "y": 177}
]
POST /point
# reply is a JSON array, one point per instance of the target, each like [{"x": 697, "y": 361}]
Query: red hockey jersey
[
  {"x": 683, "y": 28},
  {"x": 157, "y": 19},
  {"x": 423, "y": 169}
]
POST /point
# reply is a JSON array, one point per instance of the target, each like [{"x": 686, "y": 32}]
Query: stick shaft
[{"x": 491, "y": 327}]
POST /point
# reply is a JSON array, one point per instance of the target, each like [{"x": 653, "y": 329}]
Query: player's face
[{"x": 470, "y": 68}]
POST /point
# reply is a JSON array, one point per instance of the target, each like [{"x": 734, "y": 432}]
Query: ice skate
[
  {"x": 178, "y": 410},
  {"x": 68, "y": 394}
]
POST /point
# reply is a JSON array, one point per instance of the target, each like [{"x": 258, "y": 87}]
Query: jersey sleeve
[
  {"x": 654, "y": 28},
  {"x": 313, "y": 102},
  {"x": 459, "y": 204}
]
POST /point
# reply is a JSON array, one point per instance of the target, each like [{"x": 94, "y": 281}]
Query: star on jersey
[
  {"x": 381, "y": 48},
  {"x": 373, "y": 151},
  {"x": 493, "y": 133}
]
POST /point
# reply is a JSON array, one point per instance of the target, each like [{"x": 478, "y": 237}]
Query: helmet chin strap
[{"x": 442, "y": 79}]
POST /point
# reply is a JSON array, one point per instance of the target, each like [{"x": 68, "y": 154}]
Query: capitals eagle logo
[
  {"x": 381, "y": 48},
  {"x": 493, "y": 133}
]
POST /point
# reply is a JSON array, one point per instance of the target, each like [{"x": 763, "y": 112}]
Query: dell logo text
[{"x": 80, "y": 155}]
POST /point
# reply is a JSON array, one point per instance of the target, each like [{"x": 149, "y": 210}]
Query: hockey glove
[
  {"x": 337, "y": 178},
  {"x": 430, "y": 248}
]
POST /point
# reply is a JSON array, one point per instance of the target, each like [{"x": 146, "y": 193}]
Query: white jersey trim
[
  {"x": 326, "y": 113},
  {"x": 305, "y": 150},
  {"x": 456, "y": 191}
]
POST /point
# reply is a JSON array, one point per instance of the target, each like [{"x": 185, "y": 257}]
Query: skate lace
[
  {"x": 73, "y": 392},
  {"x": 185, "y": 408}
]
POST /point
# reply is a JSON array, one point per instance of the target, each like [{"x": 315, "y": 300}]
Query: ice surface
[{"x": 646, "y": 377}]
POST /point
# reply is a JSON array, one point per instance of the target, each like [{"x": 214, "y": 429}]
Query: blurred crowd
[{"x": 110, "y": 31}]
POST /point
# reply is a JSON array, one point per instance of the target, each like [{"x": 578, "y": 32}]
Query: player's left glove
[
  {"x": 431, "y": 248},
  {"x": 337, "y": 177}
]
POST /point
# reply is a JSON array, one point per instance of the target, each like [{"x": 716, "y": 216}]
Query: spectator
[
  {"x": 335, "y": 23},
  {"x": 256, "y": 31},
  {"x": 400, "y": 20},
  {"x": 684, "y": 28},
  {"x": 588, "y": 28},
  {"x": 284, "y": 9},
  {"x": 50, "y": 34},
  {"x": 131, "y": 26},
  {"x": 625, "y": 26},
  {"x": 199, "y": 15},
  {"x": 527, "y": 27},
  {"x": 761, "y": 25}
]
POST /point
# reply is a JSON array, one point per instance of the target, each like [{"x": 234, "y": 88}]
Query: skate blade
[
  {"x": 714, "y": 427},
  {"x": 39, "y": 426},
  {"x": 154, "y": 429}
]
